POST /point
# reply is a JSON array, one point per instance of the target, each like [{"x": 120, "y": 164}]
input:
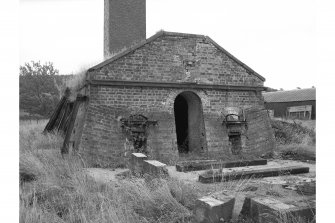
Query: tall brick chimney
[{"x": 124, "y": 24}]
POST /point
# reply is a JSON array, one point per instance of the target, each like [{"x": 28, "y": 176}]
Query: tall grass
[{"x": 60, "y": 191}]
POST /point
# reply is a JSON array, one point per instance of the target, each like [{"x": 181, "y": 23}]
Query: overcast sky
[{"x": 276, "y": 38}]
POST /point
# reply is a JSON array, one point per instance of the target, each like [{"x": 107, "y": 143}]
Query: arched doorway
[{"x": 190, "y": 127}]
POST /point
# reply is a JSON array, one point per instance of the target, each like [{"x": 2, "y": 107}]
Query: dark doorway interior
[
  {"x": 181, "y": 120},
  {"x": 236, "y": 143},
  {"x": 190, "y": 126}
]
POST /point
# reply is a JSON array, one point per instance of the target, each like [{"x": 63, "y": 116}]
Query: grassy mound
[
  {"x": 294, "y": 141},
  {"x": 288, "y": 133}
]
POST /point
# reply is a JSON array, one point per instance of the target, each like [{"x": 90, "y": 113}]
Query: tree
[{"x": 38, "y": 93}]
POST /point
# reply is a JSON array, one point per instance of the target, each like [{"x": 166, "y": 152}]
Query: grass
[{"x": 58, "y": 189}]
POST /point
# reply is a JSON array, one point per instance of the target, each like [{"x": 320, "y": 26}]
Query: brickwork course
[{"x": 184, "y": 83}]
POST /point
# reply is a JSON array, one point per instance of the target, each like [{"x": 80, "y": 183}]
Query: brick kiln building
[{"x": 171, "y": 96}]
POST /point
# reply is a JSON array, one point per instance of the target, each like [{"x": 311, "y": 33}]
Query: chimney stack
[{"x": 124, "y": 24}]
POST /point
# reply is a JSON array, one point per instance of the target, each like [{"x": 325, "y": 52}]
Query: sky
[{"x": 275, "y": 38}]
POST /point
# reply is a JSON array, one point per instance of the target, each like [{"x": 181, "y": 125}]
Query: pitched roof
[
  {"x": 308, "y": 94},
  {"x": 165, "y": 33}
]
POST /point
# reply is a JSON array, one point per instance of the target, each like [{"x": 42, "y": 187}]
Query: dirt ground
[{"x": 270, "y": 186}]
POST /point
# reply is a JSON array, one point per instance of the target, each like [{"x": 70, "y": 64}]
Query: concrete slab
[
  {"x": 307, "y": 188},
  {"x": 285, "y": 180},
  {"x": 193, "y": 176},
  {"x": 263, "y": 209},
  {"x": 155, "y": 168},
  {"x": 156, "y": 163},
  {"x": 218, "y": 176},
  {"x": 196, "y": 165},
  {"x": 136, "y": 163},
  {"x": 214, "y": 208},
  {"x": 140, "y": 155}
]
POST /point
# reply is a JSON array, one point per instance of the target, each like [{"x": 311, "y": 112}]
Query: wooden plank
[
  {"x": 67, "y": 113},
  {"x": 70, "y": 123},
  {"x": 55, "y": 116},
  {"x": 52, "y": 121}
]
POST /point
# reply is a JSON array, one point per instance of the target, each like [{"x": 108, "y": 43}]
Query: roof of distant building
[{"x": 308, "y": 94}]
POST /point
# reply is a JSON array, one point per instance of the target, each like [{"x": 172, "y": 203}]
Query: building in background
[{"x": 293, "y": 104}]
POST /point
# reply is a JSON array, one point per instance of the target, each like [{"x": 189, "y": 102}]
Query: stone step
[
  {"x": 218, "y": 176},
  {"x": 214, "y": 164},
  {"x": 136, "y": 163},
  {"x": 155, "y": 168}
]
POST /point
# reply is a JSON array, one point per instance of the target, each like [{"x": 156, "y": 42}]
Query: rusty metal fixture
[
  {"x": 232, "y": 120},
  {"x": 135, "y": 126},
  {"x": 236, "y": 126}
]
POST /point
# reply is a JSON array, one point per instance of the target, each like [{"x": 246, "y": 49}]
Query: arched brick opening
[{"x": 189, "y": 121}]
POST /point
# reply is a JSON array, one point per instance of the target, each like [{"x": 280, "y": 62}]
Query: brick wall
[
  {"x": 178, "y": 59},
  {"x": 165, "y": 59},
  {"x": 105, "y": 143},
  {"x": 124, "y": 24},
  {"x": 260, "y": 133}
]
